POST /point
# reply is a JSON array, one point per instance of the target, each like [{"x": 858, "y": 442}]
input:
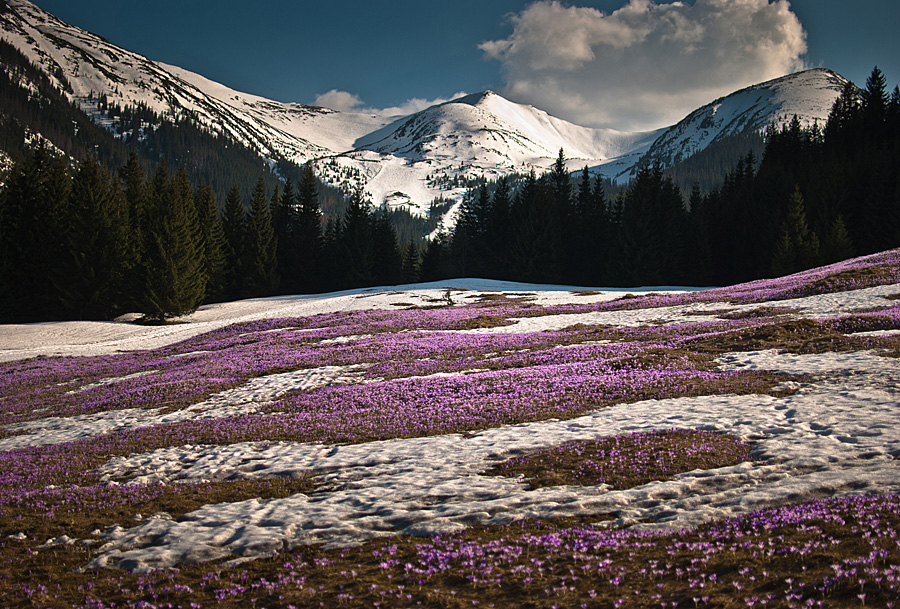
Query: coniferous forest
[
  {"x": 105, "y": 238},
  {"x": 817, "y": 195}
]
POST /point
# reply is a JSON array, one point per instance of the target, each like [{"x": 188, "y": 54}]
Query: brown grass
[{"x": 759, "y": 312}]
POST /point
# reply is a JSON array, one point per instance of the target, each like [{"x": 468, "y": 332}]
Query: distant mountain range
[{"x": 401, "y": 161}]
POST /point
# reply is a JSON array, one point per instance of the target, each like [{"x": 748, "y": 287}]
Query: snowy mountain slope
[
  {"x": 809, "y": 95},
  {"x": 406, "y": 161},
  {"x": 85, "y": 64},
  {"x": 488, "y": 129}
]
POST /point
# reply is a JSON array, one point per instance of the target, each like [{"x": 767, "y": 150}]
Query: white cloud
[
  {"x": 350, "y": 102},
  {"x": 339, "y": 100},
  {"x": 647, "y": 64}
]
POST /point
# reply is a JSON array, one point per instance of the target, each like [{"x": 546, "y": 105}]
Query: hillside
[{"x": 807, "y": 95}]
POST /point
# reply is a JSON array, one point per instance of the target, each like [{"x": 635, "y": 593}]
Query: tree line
[
  {"x": 817, "y": 195},
  {"x": 92, "y": 245},
  {"x": 89, "y": 243}
]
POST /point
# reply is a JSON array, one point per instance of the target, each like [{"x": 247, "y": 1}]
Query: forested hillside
[{"x": 817, "y": 195}]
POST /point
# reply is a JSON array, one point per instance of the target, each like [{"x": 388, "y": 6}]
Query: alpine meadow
[{"x": 620, "y": 329}]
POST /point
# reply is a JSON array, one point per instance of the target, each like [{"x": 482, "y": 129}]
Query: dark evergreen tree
[
  {"x": 233, "y": 226},
  {"x": 33, "y": 216},
  {"x": 699, "y": 257},
  {"x": 499, "y": 230},
  {"x": 387, "y": 262},
  {"x": 434, "y": 265},
  {"x": 875, "y": 101},
  {"x": 589, "y": 232},
  {"x": 357, "y": 243},
  {"x": 308, "y": 233},
  {"x": 137, "y": 202},
  {"x": 650, "y": 233},
  {"x": 410, "y": 264},
  {"x": 212, "y": 241},
  {"x": 284, "y": 225},
  {"x": 260, "y": 263},
  {"x": 837, "y": 244},
  {"x": 91, "y": 278},
  {"x": 797, "y": 247},
  {"x": 175, "y": 283},
  {"x": 334, "y": 256},
  {"x": 536, "y": 243}
]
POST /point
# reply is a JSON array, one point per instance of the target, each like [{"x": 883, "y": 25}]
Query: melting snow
[{"x": 838, "y": 434}]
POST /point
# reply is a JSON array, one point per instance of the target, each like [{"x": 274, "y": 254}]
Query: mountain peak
[{"x": 808, "y": 94}]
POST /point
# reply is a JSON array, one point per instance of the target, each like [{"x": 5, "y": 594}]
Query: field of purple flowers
[{"x": 421, "y": 372}]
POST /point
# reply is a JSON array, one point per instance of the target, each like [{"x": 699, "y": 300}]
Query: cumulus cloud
[
  {"x": 647, "y": 64},
  {"x": 350, "y": 102}
]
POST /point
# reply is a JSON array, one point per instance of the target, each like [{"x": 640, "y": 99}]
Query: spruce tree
[
  {"x": 212, "y": 241},
  {"x": 33, "y": 238},
  {"x": 137, "y": 203},
  {"x": 387, "y": 261},
  {"x": 837, "y": 245},
  {"x": 91, "y": 283},
  {"x": 410, "y": 264},
  {"x": 500, "y": 230},
  {"x": 797, "y": 247},
  {"x": 233, "y": 227},
  {"x": 260, "y": 263},
  {"x": 356, "y": 241},
  {"x": 175, "y": 283},
  {"x": 308, "y": 234},
  {"x": 284, "y": 220}
]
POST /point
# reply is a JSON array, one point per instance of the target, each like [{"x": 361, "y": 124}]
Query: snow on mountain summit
[
  {"x": 485, "y": 129},
  {"x": 405, "y": 161},
  {"x": 809, "y": 95}
]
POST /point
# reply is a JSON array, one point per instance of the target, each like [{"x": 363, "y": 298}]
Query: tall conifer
[
  {"x": 212, "y": 241},
  {"x": 175, "y": 283},
  {"x": 91, "y": 281},
  {"x": 260, "y": 263}
]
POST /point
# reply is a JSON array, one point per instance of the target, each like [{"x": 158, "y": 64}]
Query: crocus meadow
[{"x": 454, "y": 369}]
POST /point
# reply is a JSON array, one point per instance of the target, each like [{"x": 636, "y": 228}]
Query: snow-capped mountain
[
  {"x": 403, "y": 161},
  {"x": 809, "y": 95},
  {"x": 86, "y": 65}
]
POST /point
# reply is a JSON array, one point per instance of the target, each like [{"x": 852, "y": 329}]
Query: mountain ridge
[{"x": 401, "y": 161}]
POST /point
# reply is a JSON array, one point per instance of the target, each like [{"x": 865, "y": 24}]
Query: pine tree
[
  {"x": 434, "y": 259},
  {"x": 837, "y": 246},
  {"x": 387, "y": 261},
  {"x": 308, "y": 234},
  {"x": 284, "y": 221},
  {"x": 260, "y": 263},
  {"x": 33, "y": 225},
  {"x": 535, "y": 247},
  {"x": 356, "y": 241},
  {"x": 410, "y": 264},
  {"x": 137, "y": 203},
  {"x": 91, "y": 283},
  {"x": 233, "y": 227},
  {"x": 499, "y": 230},
  {"x": 700, "y": 252},
  {"x": 797, "y": 247},
  {"x": 875, "y": 100},
  {"x": 175, "y": 283},
  {"x": 212, "y": 241}
]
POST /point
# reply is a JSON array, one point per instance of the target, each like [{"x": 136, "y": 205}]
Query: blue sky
[{"x": 629, "y": 64}]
